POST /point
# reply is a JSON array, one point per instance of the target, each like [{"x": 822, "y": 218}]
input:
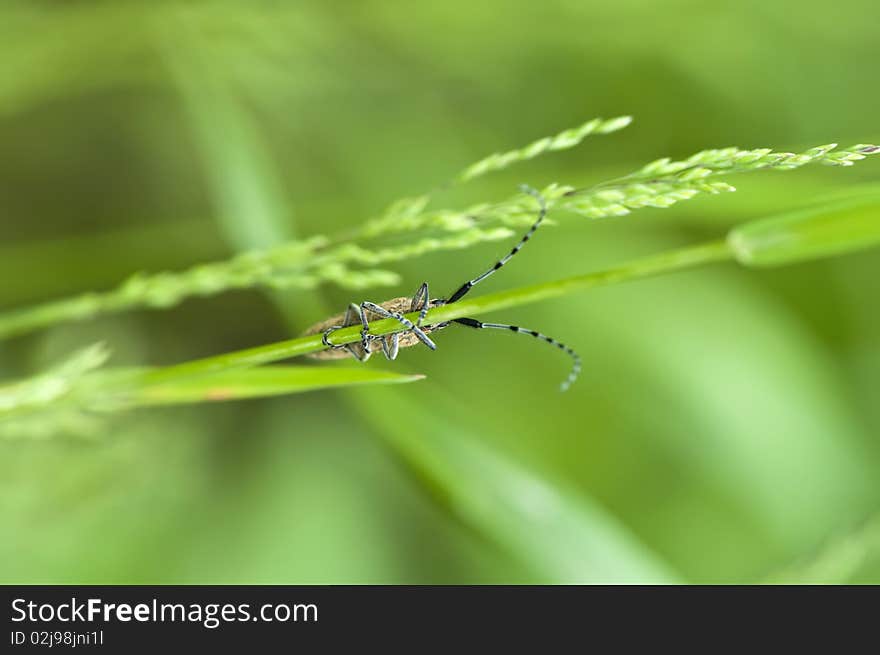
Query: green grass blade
[
  {"x": 830, "y": 230},
  {"x": 471, "y": 306},
  {"x": 243, "y": 178},
  {"x": 852, "y": 558},
  {"x": 814, "y": 233},
  {"x": 65, "y": 401},
  {"x": 259, "y": 382},
  {"x": 560, "y": 535}
]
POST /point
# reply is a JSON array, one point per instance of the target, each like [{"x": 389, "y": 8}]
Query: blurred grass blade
[
  {"x": 813, "y": 233},
  {"x": 44, "y": 388},
  {"x": 260, "y": 383},
  {"x": 244, "y": 180},
  {"x": 73, "y": 399},
  {"x": 843, "y": 560},
  {"x": 556, "y": 532}
]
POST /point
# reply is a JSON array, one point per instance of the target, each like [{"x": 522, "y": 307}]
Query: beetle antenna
[
  {"x": 576, "y": 360},
  {"x": 542, "y": 212}
]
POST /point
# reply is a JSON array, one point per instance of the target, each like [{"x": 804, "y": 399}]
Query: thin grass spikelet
[
  {"x": 562, "y": 141},
  {"x": 664, "y": 182}
]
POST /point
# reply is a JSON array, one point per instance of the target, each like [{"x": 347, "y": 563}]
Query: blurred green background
[{"x": 726, "y": 427}]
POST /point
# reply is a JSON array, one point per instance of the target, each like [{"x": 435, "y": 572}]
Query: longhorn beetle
[{"x": 421, "y": 302}]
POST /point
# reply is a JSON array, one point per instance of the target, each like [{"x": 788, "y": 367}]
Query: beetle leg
[
  {"x": 421, "y": 302},
  {"x": 391, "y": 345},
  {"x": 400, "y": 318}
]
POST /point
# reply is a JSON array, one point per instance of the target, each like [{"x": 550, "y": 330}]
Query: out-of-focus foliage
[{"x": 726, "y": 425}]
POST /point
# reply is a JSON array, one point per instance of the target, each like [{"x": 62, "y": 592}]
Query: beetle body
[
  {"x": 401, "y": 305},
  {"x": 416, "y": 332}
]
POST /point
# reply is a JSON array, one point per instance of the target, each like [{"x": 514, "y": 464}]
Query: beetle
[{"x": 421, "y": 302}]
